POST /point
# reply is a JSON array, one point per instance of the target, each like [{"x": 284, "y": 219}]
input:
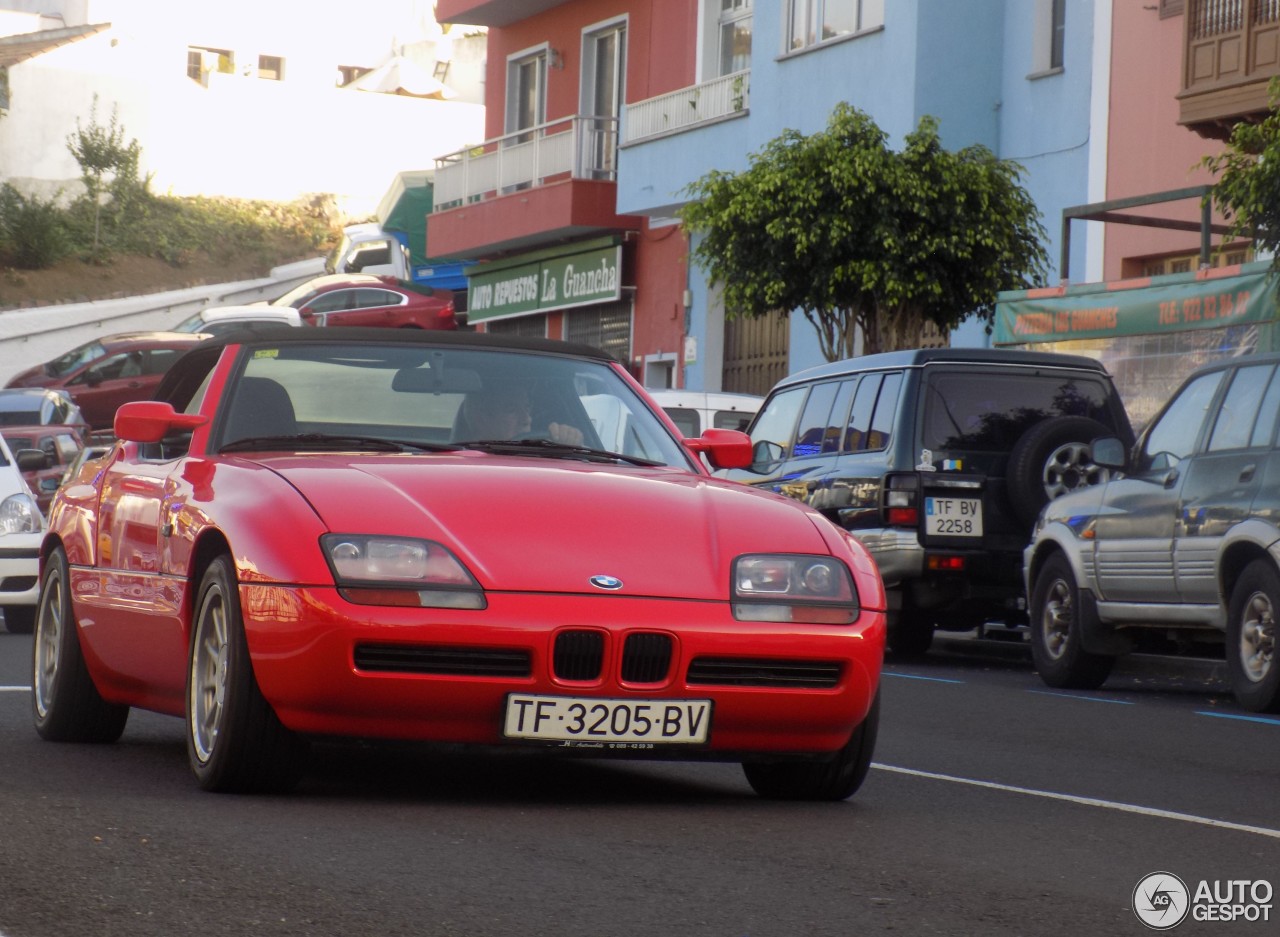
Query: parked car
[
  {"x": 693, "y": 411},
  {"x": 38, "y": 406},
  {"x": 58, "y": 444},
  {"x": 106, "y": 372},
  {"x": 939, "y": 461},
  {"x": 1186, "y": 543},
  {"x": 21, "y": 529},
  {"x": 352, "y": 299},
  {"x": 218, "y": 320},
  {"x": 318, "y": 509}
]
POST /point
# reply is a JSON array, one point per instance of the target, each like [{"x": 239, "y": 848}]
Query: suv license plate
[
  {"x": 953, "y": 517},
  {"x": 585, "y": 719}
]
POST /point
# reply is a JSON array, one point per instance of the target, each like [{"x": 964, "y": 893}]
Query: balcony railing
[
  {"x": 571, "y": 148},
  {"x": 1231, "y": 51},
  {"x": 690, "y": 107}
]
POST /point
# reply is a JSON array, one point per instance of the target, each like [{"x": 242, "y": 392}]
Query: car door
[
  {"x": 372, "y": 307},
  {"x": 1134, "y": 534},
  {"x": 318, "y": 309},
  {"x": 1223, "y": 479},
  {"x": 100, "y": 388},
  {"x": 139, "y": 632}
]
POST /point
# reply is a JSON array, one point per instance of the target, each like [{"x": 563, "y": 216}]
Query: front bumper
[
  {"x": 20, "y": 569},
  {"x": 312, "y": 652}
]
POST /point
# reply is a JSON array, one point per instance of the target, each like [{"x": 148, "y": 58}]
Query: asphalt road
[{"x": 995, "y": 807}]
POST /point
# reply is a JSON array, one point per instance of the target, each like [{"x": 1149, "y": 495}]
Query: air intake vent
[
  {"x": 579, "y": 655},
  {"x": 646, "y": 658},
  {"x": 460, "y": 661},
  {"x": 748, "y": 671}
]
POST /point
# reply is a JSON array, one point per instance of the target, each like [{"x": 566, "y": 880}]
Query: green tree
[
  {"x": 108, "y": 166},
  {"x": 857, "y": 236},
  {"x": 1247, "y": 191}
]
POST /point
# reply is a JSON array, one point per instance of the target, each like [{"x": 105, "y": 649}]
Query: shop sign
[
  {"x": 1198, "y": 303},
  {"x": 553, "y": 283}
]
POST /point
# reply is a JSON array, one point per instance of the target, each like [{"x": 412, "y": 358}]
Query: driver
[{"x": 503, "y": 412}]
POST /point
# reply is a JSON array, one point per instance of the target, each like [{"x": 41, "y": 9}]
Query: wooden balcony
[{"x": 1231, "y": 51}]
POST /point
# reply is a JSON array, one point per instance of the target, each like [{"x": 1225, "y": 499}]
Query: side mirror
[
  {"x": 1108, "y": 452},
  {"x": 724, "y": 448},
  {"x": 31, "y": 460},
  {"x": 765, "y": 455},
  {"x": 50, "y": 484},
  {"x": 153, "y": 420}
]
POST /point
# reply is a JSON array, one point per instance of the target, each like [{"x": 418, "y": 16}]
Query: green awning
[{"x": 1211, "y": 299}]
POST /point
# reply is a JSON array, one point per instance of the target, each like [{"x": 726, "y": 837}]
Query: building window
[
  {"x": 735, "y": 36},
  {"x": 201, "y": 60},
  {"x": 1170, "y": 8},
  {"x": 812, "y": 22},
  {"x": 526, "y": 91},
  {"x": 1058, "y": 15},
  {"x": 270, "y": 67},
  {"x": 349, "y": 73},
  {"x": 607, "y": 327}
]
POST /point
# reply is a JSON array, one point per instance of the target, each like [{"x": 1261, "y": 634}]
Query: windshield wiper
[
  {"x": 329, "y": 441},
  {"x": 550, "y": 447}
]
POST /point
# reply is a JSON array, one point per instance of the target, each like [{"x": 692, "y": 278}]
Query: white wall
[{"x": 240, "y": 136}]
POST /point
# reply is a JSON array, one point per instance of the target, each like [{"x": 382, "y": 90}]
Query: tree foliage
[
  {"x": 857, "y": 236},
  {"x": 108, "y": 168},
  {"x": 1248, "y": 188}
]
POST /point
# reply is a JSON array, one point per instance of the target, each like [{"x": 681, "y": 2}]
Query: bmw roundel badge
[{"x": 606, "y": 582}]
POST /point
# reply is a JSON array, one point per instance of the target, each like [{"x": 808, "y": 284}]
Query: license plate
[
  {"x": 953, "y": 517},
  {"x": 582, "y": 719}
]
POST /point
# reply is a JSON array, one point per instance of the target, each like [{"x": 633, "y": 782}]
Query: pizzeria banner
[
  {"x": 1174, "y": 305},
  {"x": 579, "y": 279}
]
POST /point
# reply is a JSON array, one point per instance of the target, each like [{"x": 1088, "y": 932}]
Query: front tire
[
  {"x": 1251, "y": 638},
  {"x": 1056, "y": 648},
  {"x": 835, "y": 778},
  {"x": 64, "y": 701},
  {"x": 235, "y": 741},
  {"x": 19, "y": 619}
]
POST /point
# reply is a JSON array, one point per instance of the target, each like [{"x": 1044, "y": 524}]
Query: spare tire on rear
[{"x": 1051, "y": 459}]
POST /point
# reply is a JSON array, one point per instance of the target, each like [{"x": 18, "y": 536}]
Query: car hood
[
  {"x": 544, "y": 525},
  {"x": 31, "y": 377}
]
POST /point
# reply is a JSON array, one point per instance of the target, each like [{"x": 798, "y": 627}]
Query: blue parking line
[
  {"x": 1085, "y": 699},
  {"x": 1273, "y": 722},
  {"x": 911, "y": 676}
]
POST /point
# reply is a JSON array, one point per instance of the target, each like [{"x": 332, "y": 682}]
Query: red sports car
[
  {"x": 362, "y": 299},
  {"x": 447, "y": 537}
]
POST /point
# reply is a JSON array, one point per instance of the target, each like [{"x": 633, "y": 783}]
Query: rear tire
[
  {"x": 20, "y": 619},
  {"x": 1251, "y": 638},
  {"x": 235, "y": 741},
  {"x": 834, "y": 778},
  {"x": 1056, "y": 648},
  {"x": 64, "y": 701},
  {"x": 911, "y": 634}
]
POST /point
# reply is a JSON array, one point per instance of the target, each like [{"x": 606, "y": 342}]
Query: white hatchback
[{"x": 21, "y": 530}]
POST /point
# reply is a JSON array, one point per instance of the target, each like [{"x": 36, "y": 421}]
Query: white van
[
  {"x": 693, "y": 411},
  {"x": 21, "y": 529}
]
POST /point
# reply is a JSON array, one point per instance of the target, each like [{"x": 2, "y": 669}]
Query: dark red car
[
  {"x": 368, "y": 300},
  {"x": 106, "y": 372},
  {"x": 60, "y": 445}
]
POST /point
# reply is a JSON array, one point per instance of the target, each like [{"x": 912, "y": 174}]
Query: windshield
[
  {"x": 497, "y": 399},
  {"x": 296, "y": 296},
  {"x": 74, "y": 358}
]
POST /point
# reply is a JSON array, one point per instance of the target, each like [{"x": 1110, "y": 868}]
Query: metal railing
[
  {"x": 715, "y": 100},
  {"x": 571, "y": 148}
]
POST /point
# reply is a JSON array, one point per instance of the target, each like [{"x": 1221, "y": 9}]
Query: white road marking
[
  {"x": 14, "y": 689},
  {"x": 1087, "y": 801}
]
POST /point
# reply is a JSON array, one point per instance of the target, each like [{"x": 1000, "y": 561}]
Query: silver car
[{"x": 1184, "y": 545}]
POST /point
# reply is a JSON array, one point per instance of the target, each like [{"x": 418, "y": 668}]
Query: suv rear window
[{"x": 990, "y": 413}]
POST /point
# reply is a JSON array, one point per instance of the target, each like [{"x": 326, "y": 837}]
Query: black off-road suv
[{"x": 939, "y": 461}]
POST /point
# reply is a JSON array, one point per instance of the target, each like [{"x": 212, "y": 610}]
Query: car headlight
[
  {"x": 793, "y": 588},
  {"x": 19, "y": 515},
  {"x": 373, "y": 570}
]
